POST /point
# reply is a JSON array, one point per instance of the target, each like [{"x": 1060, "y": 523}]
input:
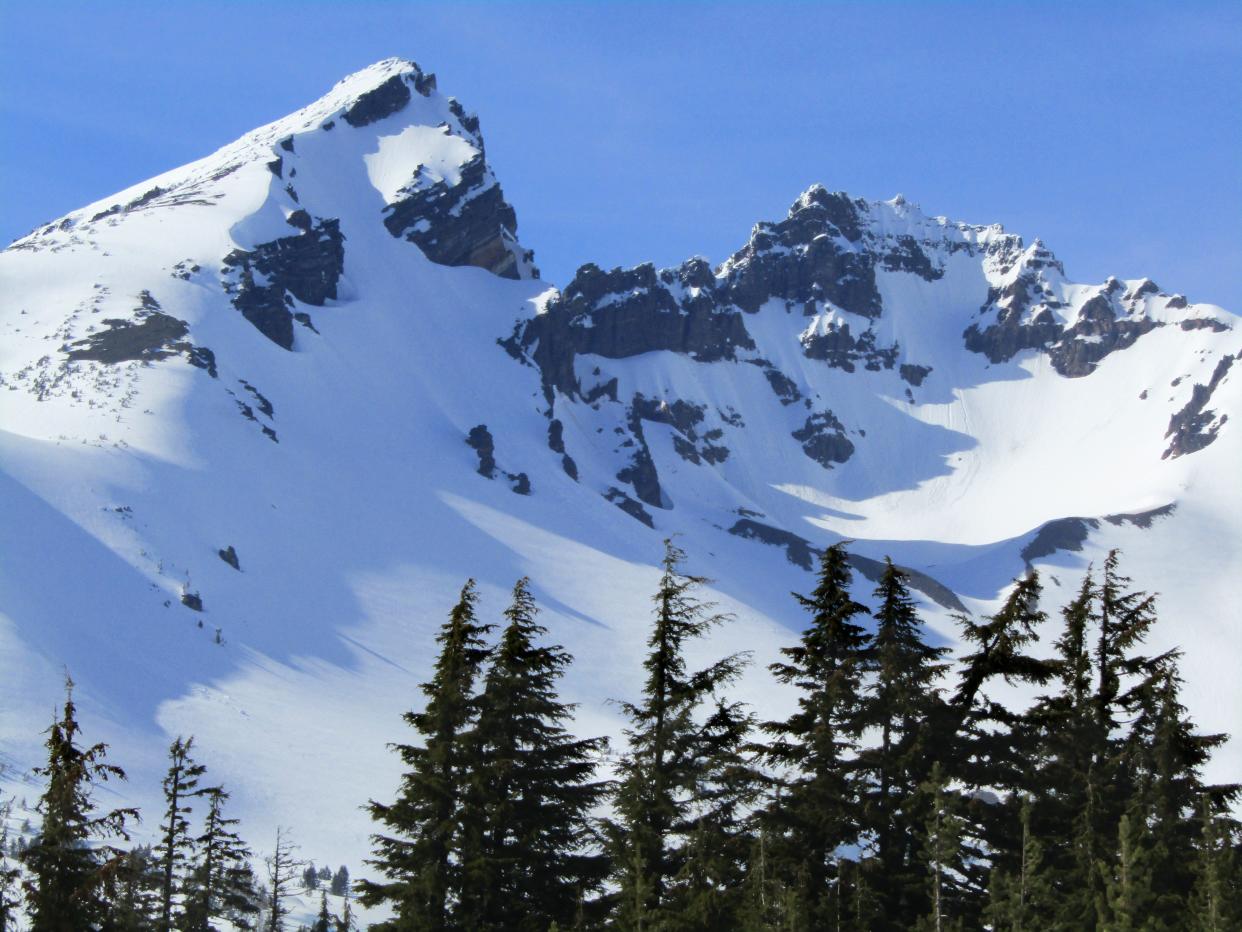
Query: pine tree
[
  {"x": 132, "y": 893},
  {"x": 221, "y": 882},
  {"x": 324, "y": 921},
  {"x": 1216, "y": 901},
  {"x": 340, "y": 881},
  {"x": 529, "y": 858},
  {"x": 816, "y": 811},
  {"x": 1021, "y": 900},
  {"x": 282, "y": 865},
  {"x": 346, "y": 922},
  {"x": 655, "y": 801},
  {"x": 941, "y": 853},
  {"x": 9, "y": 873},
  {"x": 176, "y": 844},
  {"x": 66, "y": 872},
  {"x": 989, "y": 747},
  {"x": 417, "y": 853},
  {"x": 1129, "y": 896},
  {"x": 902, "y": 704}
]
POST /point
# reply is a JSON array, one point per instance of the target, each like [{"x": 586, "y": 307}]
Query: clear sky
[{"x": 625, "y": 132}]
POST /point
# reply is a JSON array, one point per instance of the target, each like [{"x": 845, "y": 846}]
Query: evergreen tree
[
  {"x": 63, "y": 892},
  {"x": 1021, "y": 900},
  {"x": 902, "y": 705},
  {"x": 324, "y": 921},
  {"x": 282, "y": 867},
  {"x": 132, "y": 893},
  {"x": 659, "y": 788},
  {"x": 416, "y": 855},
  {"x": 816, "y": 811},
  {"x": 9, "y": 873},
  {"x": 1216, "y": 901},
  {"x": 176, "y": 844},
  {"x": 340, "y": 881},
  {"x": 989, "y": 747},
  {"x": 1129, "y": 897},
  {"x": 941, "y": 854},
  {"x": 529, "y": 856},
  {"x": 221, "y": 882},
  {"x": 346, "y": 922}
]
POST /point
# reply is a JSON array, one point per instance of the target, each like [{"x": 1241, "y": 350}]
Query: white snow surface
[{"x": 356, "y": 530}]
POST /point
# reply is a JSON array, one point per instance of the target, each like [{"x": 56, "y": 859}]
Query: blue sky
[{"x": 625, "y": 132}]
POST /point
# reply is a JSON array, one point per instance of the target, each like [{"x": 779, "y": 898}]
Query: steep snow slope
[{"x": 261, "y": 416}]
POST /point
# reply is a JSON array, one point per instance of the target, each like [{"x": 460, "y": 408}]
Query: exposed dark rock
[
  {"x": 276, "y": 167},
  {"x": 641, "y": 471},
  {"x": 914, "y": 374},
  {"x": 307, "y": 265},
  {"x": 800, "y": 552},
  {"x": 907, "y": 256},
  {"x": 379, "y": 102},
  {"x": 265, "y": 406},
  {"x": 1205, "y": 323},
  {"x": 786, "y": 389},
  {"x": 521, "y": 483},
  {"x": 1177, "y": 302},
  {"x": 823, "y": 439},
  {"x": 1074, "y": 351},
  {"x": 287, "y": 144},
  {"x": 480, "y": 440},
  {"x": 841, "y": 350},
  {"x": 1195, "y": 426},
  {"x": 1142, "y": 519},
  {"x": 192, "y": 601},
  {"x": 800, "y": 260},
  {"x": 229, "y": 556},
  {"x": 469, "y": 223},
  {"x": 305, "y": 320},
  {"x": 156, "y": 336},
  {"x": 627, "y": 312},
  {"x": 137, "y": 203},
  {"x": 629, "y": 506},
  {"x": 202, "y": 358}
]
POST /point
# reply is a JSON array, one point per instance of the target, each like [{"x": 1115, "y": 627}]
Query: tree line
[
  {"x": 902, "y": 792},
  {"x": 74, "y": 875}
]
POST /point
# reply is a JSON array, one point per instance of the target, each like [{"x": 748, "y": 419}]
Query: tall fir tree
[
  {"x": 989, "y": 746},
  {"x": 530, "y": 854},
  {"x": 817, "y": 811},
  {"x": 417, "y": 851},
  {"x": 282, "y": 869},
  {"x": 9, "y": 872},
  {"x": 1215, "y": 903},
  {"x": 902, "y": 705},
  {"x": 941, "y": 854},
  {"x": 66, "y": 872},
  {"x": 176, "y": 846},
  {"x": 132, "y": 893},
  {"x": 221, "y": 882},
  {"x": 659, "y": 792},
  {"x": 1019, "y": 898}
]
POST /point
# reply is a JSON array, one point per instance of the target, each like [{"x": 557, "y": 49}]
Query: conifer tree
[
  {"x": 529, "y": 857},
  {"x": 324, "y": 921},
  {"x": 416, "y": 850},
  {"x": 1216, "y": 900},
  {"x": 282, "y": 865},
  {"x": 817, "y": 810},
  {"x": 902, "y": 704},
  {"x": 65, "y": 872},
  {"x": 9, "y": 873},
  {"x": 1129, "y": 896},
  {"x": 941, "y": 853},
  {"x": 1021, "y": 901},
  {"x": 659, "y": 785},
  {"x": 221, "y": 882},
  {"x": 176, "y": 844},
  {"x": 989, "y": 748},
  {"x": 132, "y": 893}
]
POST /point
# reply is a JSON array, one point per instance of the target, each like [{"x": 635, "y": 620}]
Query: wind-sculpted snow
[{"x": 298, "y": 383}]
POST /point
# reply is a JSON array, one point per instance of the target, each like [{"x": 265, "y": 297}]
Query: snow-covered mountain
[{"x": 262, "y": 415}]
